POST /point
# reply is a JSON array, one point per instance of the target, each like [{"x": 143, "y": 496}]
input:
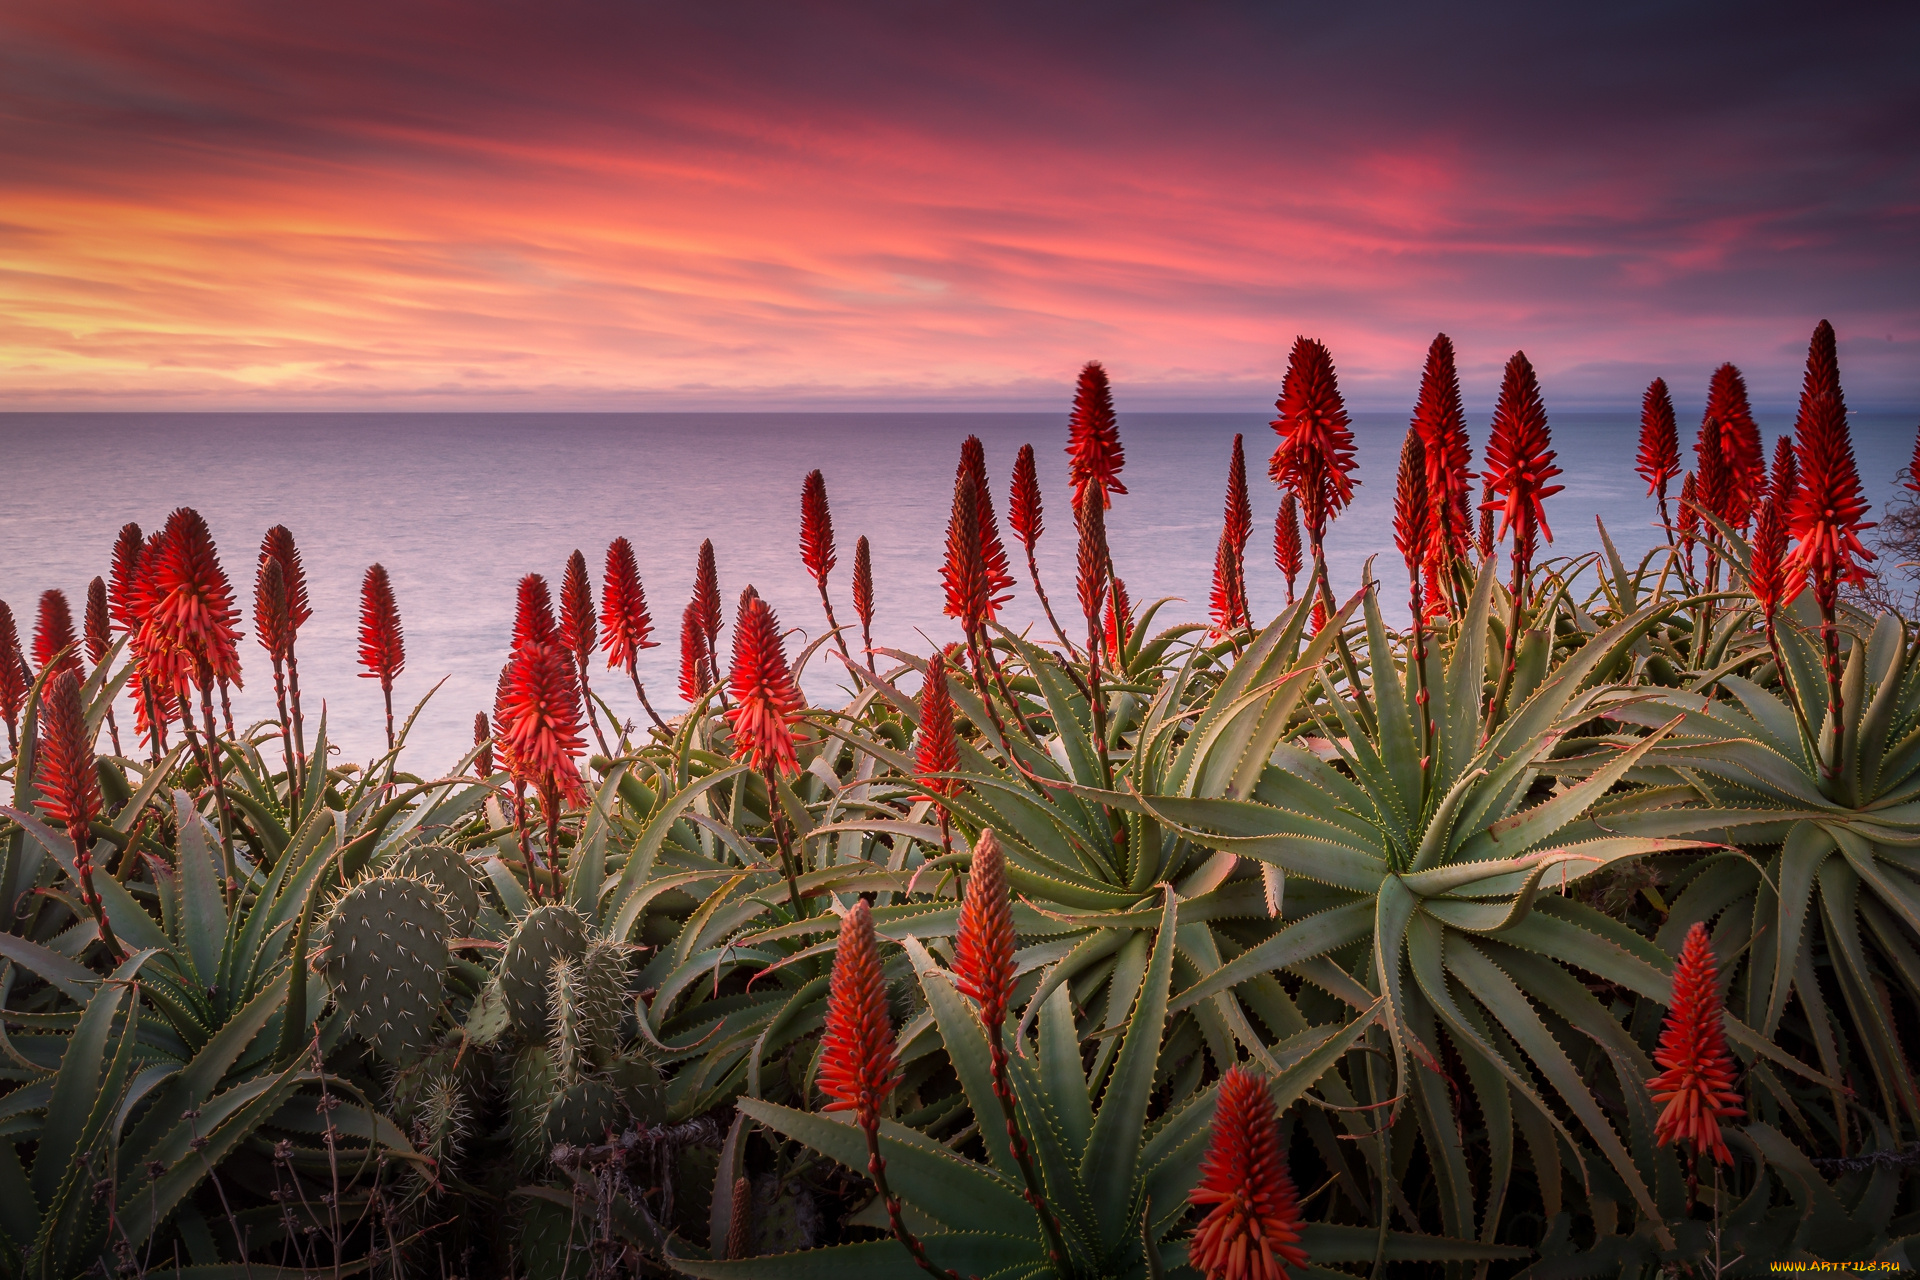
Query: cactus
[
  {"x": 487, "y": 1020},
  {"x": 584, "y": 1112},
  {"x": 450, "y": 874},
  {"x": 546, "y": 934},
  {"x": 530, "y": 1091},
  {"x": 386, "y": 959}
]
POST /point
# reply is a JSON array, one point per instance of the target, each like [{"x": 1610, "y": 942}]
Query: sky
[{"x": 923, "y": 204}]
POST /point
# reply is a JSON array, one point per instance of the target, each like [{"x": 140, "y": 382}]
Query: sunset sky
[{"x": 643, "y": 205}]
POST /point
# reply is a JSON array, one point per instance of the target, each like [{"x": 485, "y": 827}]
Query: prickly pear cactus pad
[
  {"x": 386, "y": 959},
  {"x": 449, "y": 872},
  {"x": 546, "y": 934}
]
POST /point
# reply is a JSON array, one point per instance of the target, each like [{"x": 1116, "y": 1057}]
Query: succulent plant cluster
[{"x": 1571, "y": 930}]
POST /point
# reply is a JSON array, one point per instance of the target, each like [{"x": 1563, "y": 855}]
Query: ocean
[{"x": 459, "y": 506}]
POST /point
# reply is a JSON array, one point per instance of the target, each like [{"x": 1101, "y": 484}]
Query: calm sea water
[{"x": 459, "y": 506}]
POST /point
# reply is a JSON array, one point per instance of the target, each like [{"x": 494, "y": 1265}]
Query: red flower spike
[
  {"x": 625, "y": 625},
  {"x": 766, "y": 702},
  {"x": 937, "y": 750},
  {"x": 1286, "y": 542},
  {"x": 858, "y": 1063},
  {"x": 983, "y": 948},
  {"x": 1095, "y": 455},
  {"x": 1024, "y": 514},
  {"x": 816, "y": 529},
  {"x": 1224, "y": 604},
  {"x": 578, "y": 630},
  {"x": 1825, "y": 518},
  {"x": 1697, "y": 1083},
  {"x": 1483, "y": 539},
  {"x": 1740, "y": 447},
  {"x": 1119, "y": 620},
  {"x": 1659, "y": 458},
  {"x": 53, "y": 635},
  {"x": 1411, "y": 511},
  {"x": 15, "y": 679},
  {"x": 706, "y": 594},
  {"x": 964, "y": 571},
  {"x": 1913, "y": 468},
  {"x": 1238, "y": 519},
  {"x": 1091, "y": 559},
  {"x": 191, "y": 622},
  {"x": 483, "y": 739},
  {"x": 69, "y": 786},
  {"x": 272, "y": 611},
  {"x": 1519, "y": 459},
  {"x": 993, "y": 553},
  {"x": 1315, "y": 455},
  {"x": 99, "y": 621},
  {"x": 533, "y": 624},
  {"x": 124, "y": 578},
  {"x": 1785, "y": 481},
  {"x": 863, "y": 583},
  {"x": 538, "y": 722},
  {"x": 1441, "y": 422},
  {"x": 1252, "y": 1231},
  {"x": 279, "y": 545},
  {"x": 1767, "y": 569},
  {"x": 1687, "y": 523},
  {"x": 1713, "y": 477},
  {"x": 383, "y": 650},
  {"x": 693, "y": 655},
  {"x": 501, "y": 747}
]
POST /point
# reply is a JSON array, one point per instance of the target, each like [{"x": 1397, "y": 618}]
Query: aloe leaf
[
  {"x": 139, "y": 931},
  {"x": 77, "y": 1088},
  {"x": 1329, "y": 1242},
  {"x": 71, "y": 978},
  {"x": 1113, "y": 1149},
  {"x": 622, "y": 912},
  {"x": 1801, "y": 857},
  {"x": 976, "y": 1253},
  {"x": 69, "y": 1219},
  {"x": 1304, "y": 939},
  {"x": 967, "y": 1049},
  {"x": 1061, "y": 1070}
]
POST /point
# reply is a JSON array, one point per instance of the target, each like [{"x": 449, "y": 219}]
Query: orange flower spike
[
  {"x": 1025, "y": 515},
  {"x": 579, "y": 629},
  {"x": 15, "y": 680},
  {"x": 53, "y": 636},
  {"x": 1767, "y": 569},
  {"x": 693, "y": 655},
  {"x": 1687, "y": 523},
  {"x": 1252, "y": 1228},
  {"x": 816, "y": 529},
  {"x": 983, "y": 965},
  {"x": 279, "y": 545},
  {"x": 766, "y": 702},
  {"x": 1825, "y": 517},
  {"x": 993, "y": 553},
  {"x": 123, "y": 578},
  {"x": 1913, "y": 467},
  {"x": 383, "y": 650},
  {"x": 964, "y": 571},
  {"x": 1314, "y": 459},
  {"x": 1091, "y": 560},
  {"x": 1237, "y": 522},
  {"x": 1714, "y": 480},
  {"x": 1520, "y": 459},
  {"x": 540, "y": 721},
  {"x": 483, "y": 739},
  {"x": 625, "y": 625},
  {"x": 1119, "y": 620},
  {"x": 937, "y": 750},
  {"x": 1658, "y": 461},
  {"x": 1441, "y": 421},
  {"x": 1697, "y": 1083},
  {"x": 99, "y": 627},
  {"x": 1411, "y": 511},
  {"x": 1785, "y": 480},
  {"x": 863, "y": 588},
  {"x": 858, "y": 1062},
  {"x": 1094, "y": 452},
  {"x": 70, "y": 785},
  {"x": 272, "y": 611},
  {"x": 1286, "y": 542},
  {"x": 533, "y": 621},
  {"x": 1222, "y": 601},
  {"x": 706, "y": 594},
  {"x": 190, "y": 610},
  {"x": 1740, "y": 448}
]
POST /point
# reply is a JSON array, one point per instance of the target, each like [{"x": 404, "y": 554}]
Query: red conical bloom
[
  {"x": 15, "y": 679},
  {"x": 1659, "y": 458},
  {"x": 1238, "y": 520},
  {"x": 993, "y": 554},
  {"x": 983, "y": 963},
  {"x": 625, "y": 625},
  {"x": 533, "y": 624},
  {"x": 1687, "y": 523},
  {"x": 1740, "y": 447},
  {"x": 577, "y": 626},
  {"x": 766, "y": 702},
  {"x": 69, "y": 786},
  {"x": 538, "y": 721},
  {"x": 383, "y": 650},
  {"x": 1913, "y": 468},
  {"x": 1024, "y": 514},
  {"x": 858, "y": 1064},
  {"x": 1094, "y": 452},
  {"x": 964, "y": 572},
  {"x": 1713, "y": 476},
  {"x": 1483, "y": 539},
  {"x": 1519, "y": 459},
  {"x": 1441, "y": 422},
  {"x": 1411, "y": 511},
  {"x": 99, "y": 621},
  {"x": 53, "y": 636},
  {"x": 1697, "y": 1084},
  {"x": 1825, "y": 519},
  {"x": 816, "y": 529},
  {"x": 863, "y": 584},
  {"x": 272, "y": 610},
  {"x": 189, "y": 615},
  {"x": 124, "y": 578},
  {"x": 1091, "y": 559},
  {"x": 1253, "y": 1230},
  {"x": 1314, "y": 459},
  {"x": 278, "y": 545},
  {"x": 1772, "y": 587},
  {"x": 1785, "y": 481},
  {"x": 937, "y": 750},
  {"x": 1226, "y": 608},
  {"x": 1119, "y": 620},
  {"x": 483, "y": 739},
  {"x": 1286, "y": 542},
  {"x": 693, "y": 655},
  {"x": 706, "y": 595}
]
